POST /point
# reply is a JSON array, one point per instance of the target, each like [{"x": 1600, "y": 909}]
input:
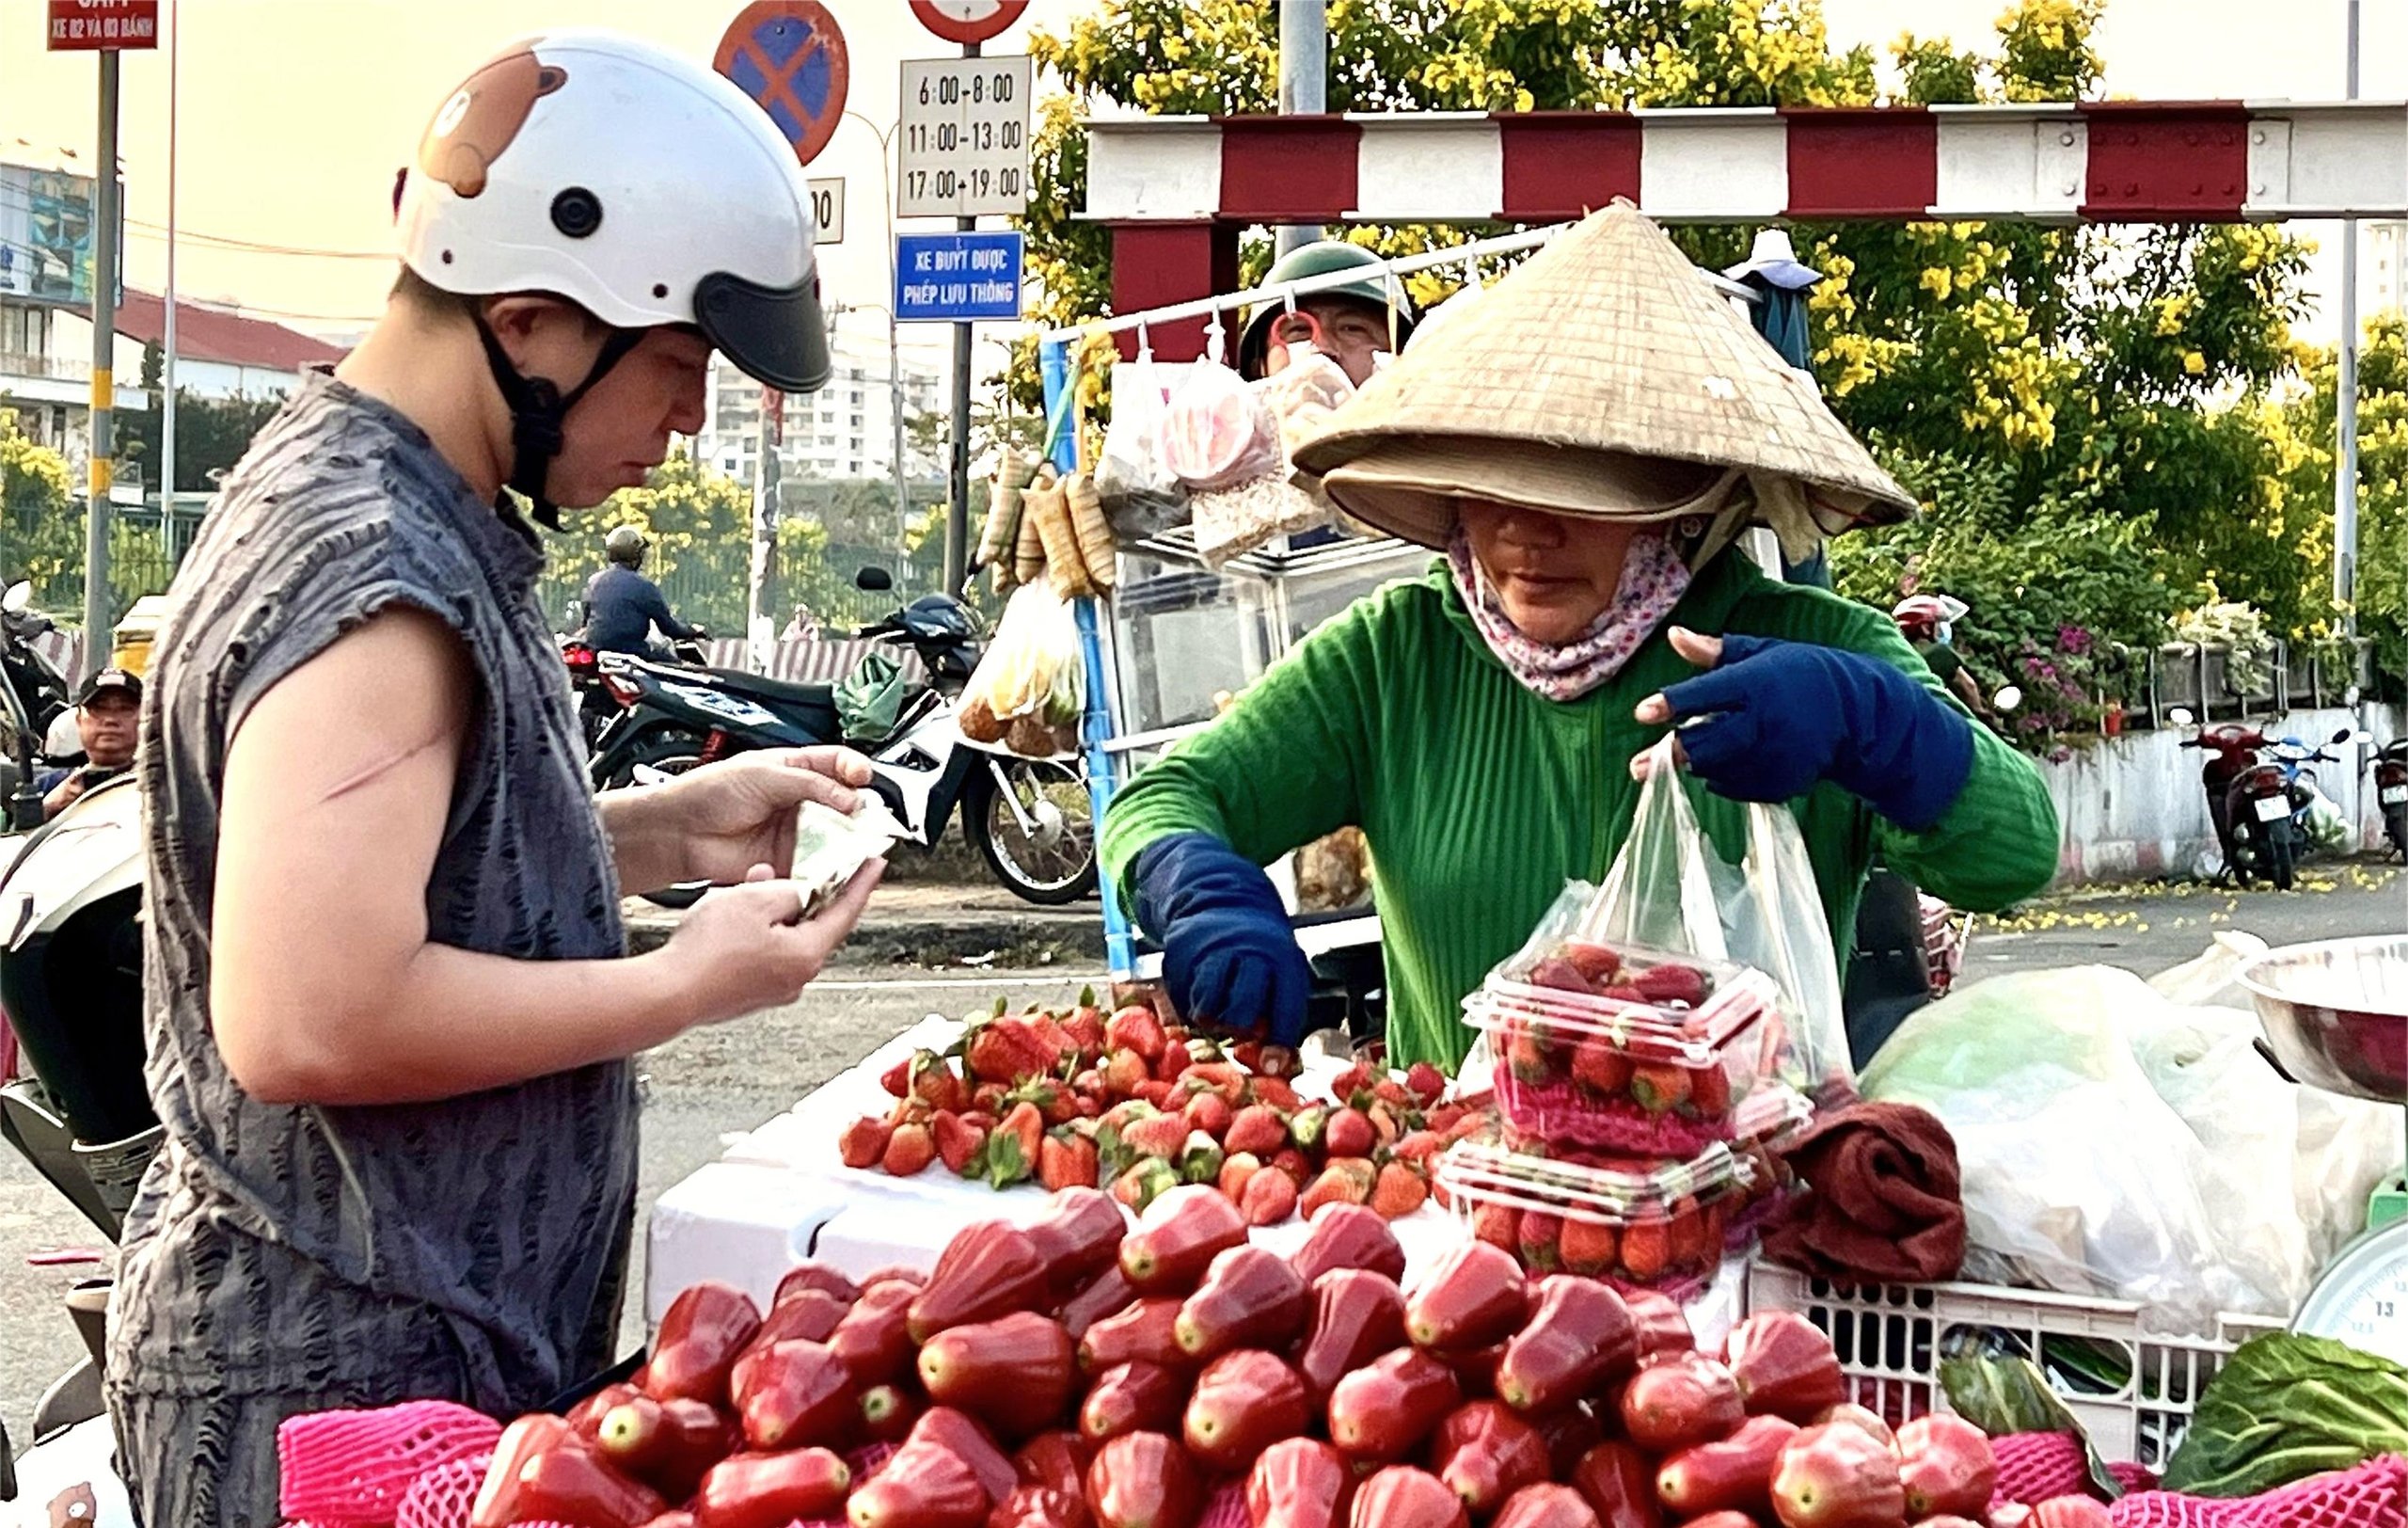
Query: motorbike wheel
[
  {"x": 670, "y": 754},
  {"x": 2280, "y": 864},
  {"x": 1052, "y": 863},
  {"x": 2395, "y": 823}
]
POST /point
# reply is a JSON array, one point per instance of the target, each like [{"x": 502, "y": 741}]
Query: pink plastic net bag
[
  {"x": 441, "y": 1497},
  {"x": 354, "y": 1467},
  {"x": 2373, "y": 1495},
  {"x": 2033, "y": 1467}
]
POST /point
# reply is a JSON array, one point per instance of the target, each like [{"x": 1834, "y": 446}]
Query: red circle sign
[
  {"x": 789, "y": 56},
  {"x": 968, "y": 21}
]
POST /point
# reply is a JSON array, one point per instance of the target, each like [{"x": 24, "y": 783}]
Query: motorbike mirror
[
  {"x": 2181, "y": 716},
  {"x": 873, "y": 580},
  {"x": 2008, "y": 699},
  {"x": 20, "y": 596},
  {"x": 2345, "y": 735}
]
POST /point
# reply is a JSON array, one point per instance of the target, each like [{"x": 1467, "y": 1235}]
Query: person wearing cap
[
  {"x": 623, "y": 608},
  {"x": 1583, "y": 446},
  {"x": 389, "y": 1003},
  {"x": 106, "y": 714},
  {"x": 1924, "y": 620},
  {"x": 1354, "y": 324}
]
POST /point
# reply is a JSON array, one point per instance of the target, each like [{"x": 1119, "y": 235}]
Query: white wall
[{"x": 2133, "y": 806}]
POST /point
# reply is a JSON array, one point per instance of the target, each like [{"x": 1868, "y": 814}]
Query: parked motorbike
[
  {"x": 2390, "y": 769},
  {"x": 1030, "y": 819},
  {"x": 42, "y": 693},
  {"x": 2314, "y": 814},
  {"x": 2248, "y": 800}
]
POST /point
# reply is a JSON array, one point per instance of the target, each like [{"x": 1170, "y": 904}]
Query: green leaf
[
  {"x": 2004, "y": 1395},
  {"x": 2284, "y": 1407}
]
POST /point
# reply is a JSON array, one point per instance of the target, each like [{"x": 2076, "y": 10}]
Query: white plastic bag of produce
[
  {"x": 1033, "y": 671},
  {"x": 1670, "y": 889},
  {"x": 1140, "y": 495},
  {"x": 2115, "y": 1143},
  {"x": 1216, "y": 433}
]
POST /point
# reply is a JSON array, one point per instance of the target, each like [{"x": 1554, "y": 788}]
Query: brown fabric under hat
[
  {"x": 1606, "y": 345},
  {"x": 1415, "y": 484}
]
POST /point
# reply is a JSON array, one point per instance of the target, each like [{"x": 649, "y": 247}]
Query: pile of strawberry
[
  {"x": 1081, "y": 1100},
  {"x": 1079, "y": 1374}
]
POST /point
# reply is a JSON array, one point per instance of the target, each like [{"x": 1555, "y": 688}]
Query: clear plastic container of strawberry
[{"x": 1635, "y": 1223}]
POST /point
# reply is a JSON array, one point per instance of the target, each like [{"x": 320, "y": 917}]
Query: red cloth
[{"x": 1886, "y": 1205}]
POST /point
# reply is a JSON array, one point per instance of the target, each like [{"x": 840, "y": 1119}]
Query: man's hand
[
  {"x": 1771, "y": 718},
  {"x": 719, "y": 821},
  {"x": 745, "y": 947}
]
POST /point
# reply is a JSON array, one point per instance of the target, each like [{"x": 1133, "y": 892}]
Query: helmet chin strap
[{"x": 539, "y": 413}]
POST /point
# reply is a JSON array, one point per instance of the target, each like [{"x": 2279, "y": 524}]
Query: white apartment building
[
  {"x": 845, "y": 430},
  {"x": 2386, "y": 268}
]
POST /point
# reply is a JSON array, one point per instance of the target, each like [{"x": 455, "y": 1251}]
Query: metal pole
[
  {"x": 1304, "y": 80},
  {"x": 167, "y": 369},
  {"x": 103, "y": 472},
  {"x": 887, "y": 145},
  {"x": 759, "y": 630},
  {"x": 2345, "y": 475},
  {"x": 956, "y": 517}
]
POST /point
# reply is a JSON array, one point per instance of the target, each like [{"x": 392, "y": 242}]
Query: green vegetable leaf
[
  {"x": 2004, "y": 1395},
  {"x": 2284, "y": 1407}
]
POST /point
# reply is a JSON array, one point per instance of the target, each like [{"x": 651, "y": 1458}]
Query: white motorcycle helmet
[{"x": 640, "y": 185}]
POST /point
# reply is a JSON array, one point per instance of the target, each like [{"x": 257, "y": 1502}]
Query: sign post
[
  {"x": 964, "y": 153},
  {"x": 106, "y": 27},
  {"x": 790, "y": 56}
]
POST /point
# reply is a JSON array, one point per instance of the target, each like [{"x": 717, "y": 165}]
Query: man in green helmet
[{"x": 1350, "y": 323}]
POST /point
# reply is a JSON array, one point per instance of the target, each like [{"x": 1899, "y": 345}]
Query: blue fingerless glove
[
  {"x": 1774, "y": 717},
  {"x": 1230, "y": 957}
]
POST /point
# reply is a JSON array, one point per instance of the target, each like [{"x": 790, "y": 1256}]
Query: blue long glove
[
  {"x": 1230, "y": 957},
  {"x": 1777, "y": 716}
]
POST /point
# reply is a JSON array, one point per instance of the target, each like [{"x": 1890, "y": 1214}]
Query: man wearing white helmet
[{"x": 389, "y": 1010}]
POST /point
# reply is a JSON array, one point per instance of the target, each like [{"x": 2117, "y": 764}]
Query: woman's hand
[
  {"x": 746, "y": 947},
  {"x": 1770, "y": 719},
  {"x": 721, "y": 821}
]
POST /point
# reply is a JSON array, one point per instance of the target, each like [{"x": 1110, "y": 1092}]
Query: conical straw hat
[{"x": 1604, "y": 346}]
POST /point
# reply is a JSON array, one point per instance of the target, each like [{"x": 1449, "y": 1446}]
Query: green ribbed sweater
[{"x": 1480, "y": 800}]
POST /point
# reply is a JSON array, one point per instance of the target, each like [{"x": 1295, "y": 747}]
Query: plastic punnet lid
[
  {"x": 1771, "y": 1114},
  {"x": 1598, "y": 990},
  {"x": 1639, "y": 1191},
  {"x": 1692, "y": 1037}
]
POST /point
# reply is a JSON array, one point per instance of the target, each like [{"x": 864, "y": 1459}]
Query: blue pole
[{"x": 1096, "y": 727}]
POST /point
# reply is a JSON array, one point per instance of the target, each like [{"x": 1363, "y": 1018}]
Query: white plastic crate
[{"x": 1891, "y": 1339}]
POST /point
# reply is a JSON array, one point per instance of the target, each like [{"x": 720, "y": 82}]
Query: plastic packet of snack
[{"x": 831, "y": 847}]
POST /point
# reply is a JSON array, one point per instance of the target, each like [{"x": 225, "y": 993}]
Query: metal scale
[{"x": 2336, "y": 1015}]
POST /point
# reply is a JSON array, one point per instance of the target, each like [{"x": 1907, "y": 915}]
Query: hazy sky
[{"x": 296, "y": 112}]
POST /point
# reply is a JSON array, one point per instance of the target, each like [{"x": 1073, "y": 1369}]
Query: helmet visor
[{"x": 774, "y": 335}]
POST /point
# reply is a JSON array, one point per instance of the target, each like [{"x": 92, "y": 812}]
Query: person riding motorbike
[
  {"x": 1354, "y": 325},
  {"x": 623, "y": 606},
  {"x": 390, "y": 1007},
  {"x": 1924, "y": 621},
  {"x": 106, "y": 719},
  {"x": 1487, "y": 726}
]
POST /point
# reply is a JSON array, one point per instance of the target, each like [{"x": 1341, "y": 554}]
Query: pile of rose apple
[{"x": 1079, "y": 1374}]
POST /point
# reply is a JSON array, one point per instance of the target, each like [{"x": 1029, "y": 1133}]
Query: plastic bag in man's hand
[{"x": 1670, "y": 889}]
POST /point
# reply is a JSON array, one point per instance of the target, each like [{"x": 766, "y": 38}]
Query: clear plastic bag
[
  {"x": 1140, "y": 496},
  {"x": 1302, "y": 394},
  {"x": 2115, "y": 1143},
  {"x": 1216, "y": 433},
  {"x": 1670, "y": 889},
  {"x": 1032, "y": 670}
]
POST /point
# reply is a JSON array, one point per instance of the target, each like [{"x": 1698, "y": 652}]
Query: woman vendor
[{"x": 1583, "y": 445}]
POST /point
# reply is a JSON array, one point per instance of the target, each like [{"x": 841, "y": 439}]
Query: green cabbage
[{"x": 2284, "y": 1407}]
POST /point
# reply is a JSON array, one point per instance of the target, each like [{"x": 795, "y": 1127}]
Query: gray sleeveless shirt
[{"x": 307, "y": 1249}]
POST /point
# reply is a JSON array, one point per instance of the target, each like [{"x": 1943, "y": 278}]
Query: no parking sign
[{"x": 789, "y": 56}]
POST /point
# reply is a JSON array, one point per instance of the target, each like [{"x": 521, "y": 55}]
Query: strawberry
[
  {"x": 1426, "y": 1083},
  {"x": 1135, "y": 1029},
  {"x": 1218, "y": 1077},
  {"x": 1162, "y": 1136},
  {"x": 1247, "y": 1054},
  {"x": 1210, "y": 1113},
  {"x": 1420, "y": 1148},
  {"x": 1355, "y": 1080},
  {"x": 1597, "y": 964},
  {"x": 1013, "y": 1150},
  {"x": 1349, "y": 1133},
  {"x": 1398, "y": 1192},
  {"x": 1155, "y": 1091},
  {"x": 1084, "y": 1028},
  {"x": 1277, "y": 1092},
  {"x": 1307, "y": 1126},
  {"x": 1256, "y": 1128},
  {"x": 1443, "y": 1118},
  {"x": 1541, "y": 1247},
  {"x": 1659, "y": 1090},
  {"x": 1124, "y": 1073},
  {"x": 1270, "y": 1199},
  {"x": 935, "y": 1082},
  {"x": 989, "y": 1098},
  {"x": 1387, "y": 1125},
  {"x": 909, "y": 1151},
  {"x": 1587, "y": 1249},
  {"x": 1277, "y": 1061},
  {"x": 1128, "y": 1112},
  {"x": 1391, "y": 1093},
  {"x": 1671, "y": 984},
  {"x": 1710, "y": 1092},
  {"x": 1528, "y": 1061},
  {"x": 1348, "y": 1181},
  {"x": 1173, "y": 1063},
  {"x": 864, "y": 1143},
  {"x": 1200, "y": 1158},
  {"x": 1499, "y": 1225},
  {"x": 1690, "y": 1235},
  {"x": 1467, "y": 1128},
  {"x": 1066, "y": 1160},
  {"x": 1601, "y": 1066},
  {"x": 1623, "y": 994},
  {"x": 1008, "y": 1050},
  {"x": 1237, "y": 1171},
  {"x": 1056, "y": 1103},
  {"x": 1560, "y": 973},
  {"x": 1646, "y": 1250},
  {"x": 1294, "y": 1165},
  {"x": 1143, "y": 1183},
  {"x": 958, "y": 1144},
  {"x": 896, "y": 1079}
]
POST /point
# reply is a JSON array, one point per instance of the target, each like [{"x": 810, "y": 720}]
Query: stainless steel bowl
[{"x": 2335, "y": 1013}]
